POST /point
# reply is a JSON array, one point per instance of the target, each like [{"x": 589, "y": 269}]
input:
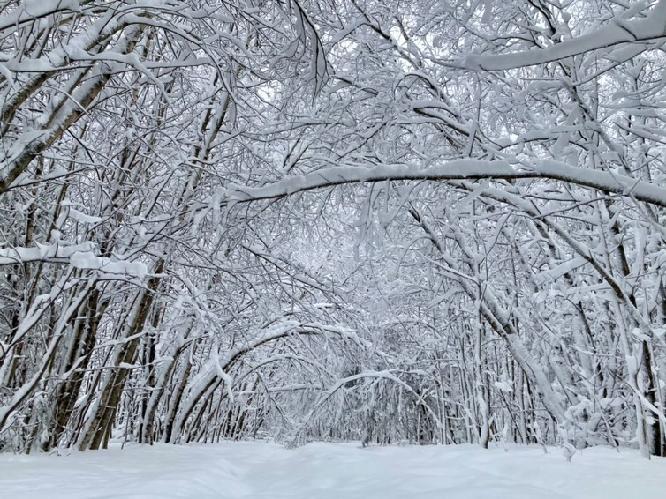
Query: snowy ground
[{"x": 331, "y": 471}]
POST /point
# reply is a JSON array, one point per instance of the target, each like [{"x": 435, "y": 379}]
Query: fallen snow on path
[{"x": 332, "y": 471}]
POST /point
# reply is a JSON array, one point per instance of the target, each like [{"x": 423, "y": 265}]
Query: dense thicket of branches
[{"x": 433, "y": 221}]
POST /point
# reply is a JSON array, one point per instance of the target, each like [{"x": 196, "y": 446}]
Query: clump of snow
[
  {"x": 84, "y": 260},
  {"x": 332, "y": 471},
  {"x": 81, "y": 217},
  {"x": 87, "y": 260},
  {"x": 504, "y": 386}
]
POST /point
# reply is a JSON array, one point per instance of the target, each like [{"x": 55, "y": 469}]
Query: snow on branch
[
  {"x": 32, "y": 10},
  {"x": 463, "y": 169},
  {"x": 43, "y": 253},
  {"x": 80, "y": 256},
  {"x": 617, "y": 31}
]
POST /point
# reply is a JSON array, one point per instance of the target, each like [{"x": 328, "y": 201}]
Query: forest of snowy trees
[{"x": 427, "y": 221}]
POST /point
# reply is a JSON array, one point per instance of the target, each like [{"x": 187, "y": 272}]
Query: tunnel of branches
[{"x": 387, "y": 221}]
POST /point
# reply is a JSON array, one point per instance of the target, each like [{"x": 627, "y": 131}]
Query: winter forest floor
[{"x": 335, "y": 471}]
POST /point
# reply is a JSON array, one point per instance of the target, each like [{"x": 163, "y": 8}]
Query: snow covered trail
[{"x": 332, "y": 471}]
